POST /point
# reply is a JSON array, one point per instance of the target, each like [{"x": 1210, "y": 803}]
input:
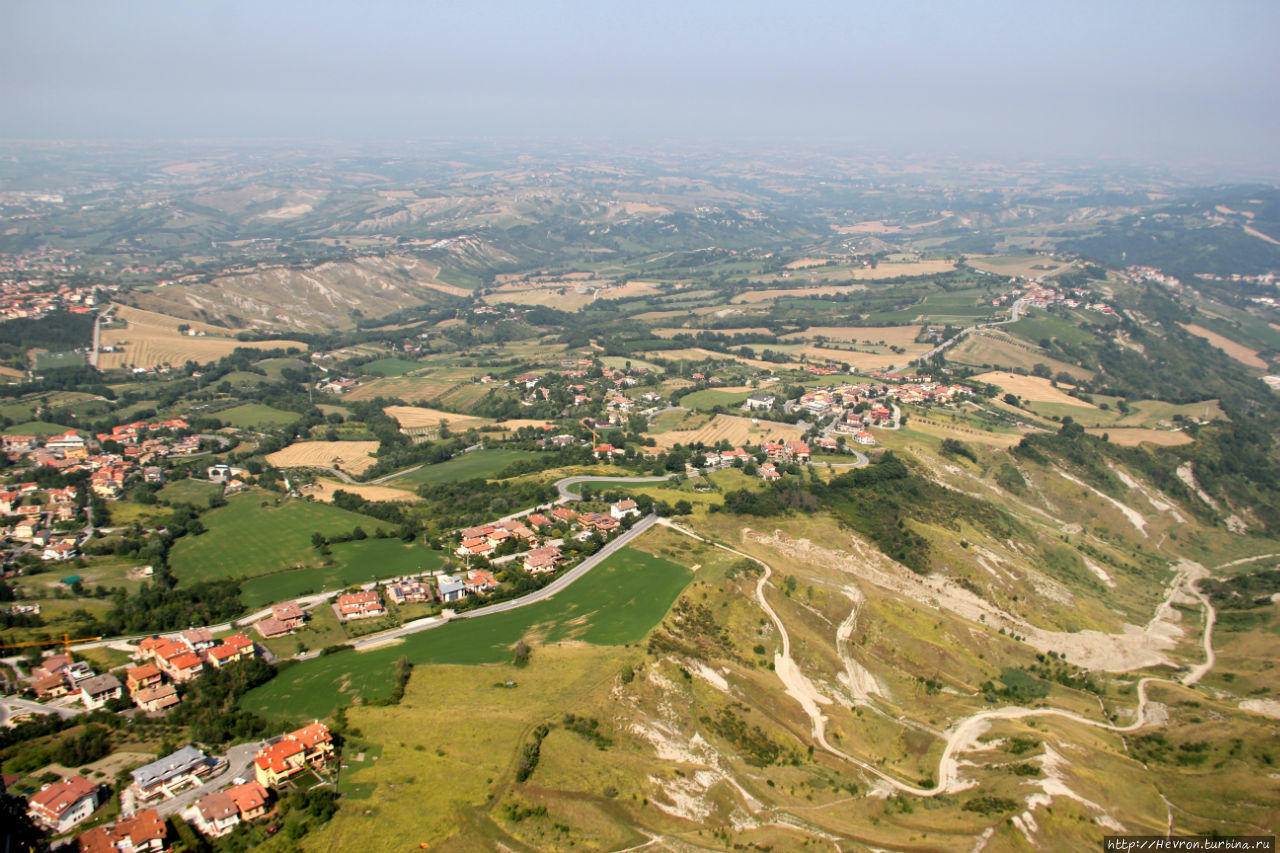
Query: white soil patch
[
  {"x": 859, "y": 681},
  {"x": 1136, "y": 647},
  {"x": 1135, "y": 518},
  {"x": 1265, "y": 707}
]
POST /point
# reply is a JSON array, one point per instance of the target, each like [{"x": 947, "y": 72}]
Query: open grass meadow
[
  {"x": 253, "y": 415},
  {"x": 616, "y": 603},
  {"x": 391, "y": 366},
  {"x": 37, "y": 428},
  {"x": 469, "y": 466},
  {"x": 352, "y": 563},
  {"x": 194, "y": 492},
  {"x": 711, "y": 397},
  {"x": 245, "y": 539}
]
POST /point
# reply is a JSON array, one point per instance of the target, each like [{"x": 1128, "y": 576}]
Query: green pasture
[
  {"x": 615, "y": 603},
  {"x": 246, "y": 539},
  {"x": 469, "y": 466},
  {"x": 252, "y": 415},
  {"x": 353, "y": 563}
]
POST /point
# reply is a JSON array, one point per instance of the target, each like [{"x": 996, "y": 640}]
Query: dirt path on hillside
[{"x": 965, "y": 734}]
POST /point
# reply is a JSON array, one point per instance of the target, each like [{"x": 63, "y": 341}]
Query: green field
[
  {"x": 391, "y": 366},
  {"x": 478, "y": 463},
  {"x": 252, "y": 415},
  {"x": 617, "y": 602},
  {"x": 704, "y": 400},
  {"x": 1040, "y": 325},
  {"x": 194, "y": 492},
  {"x": 245, "y": 539},
  {"x": 354, "y": 563},
  {"x": 273, "y": 366},
  {"x": 37, "y": 428},
  {"x": 54, "y": 360}
]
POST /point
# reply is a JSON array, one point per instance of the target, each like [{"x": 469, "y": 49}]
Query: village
[{"x": 54, "y": 523}]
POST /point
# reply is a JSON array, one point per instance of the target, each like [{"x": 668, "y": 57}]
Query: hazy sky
[{"x": 1164, "y": 81}]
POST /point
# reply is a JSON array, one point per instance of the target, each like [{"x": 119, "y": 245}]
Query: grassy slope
[
  {"x": 479, "y": 463},
  {"x": 245, "y": 539}
]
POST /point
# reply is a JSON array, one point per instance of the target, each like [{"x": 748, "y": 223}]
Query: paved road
[
  {"x": 15, "y": 705},
  {"x": 565, "y": 495},
  {"x": 546, "y": 592}
]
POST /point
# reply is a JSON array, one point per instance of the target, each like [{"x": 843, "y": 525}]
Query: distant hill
[{"x": 329, "y": 296}]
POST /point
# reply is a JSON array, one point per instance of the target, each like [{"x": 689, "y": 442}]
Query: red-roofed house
[
  {"x": 624, "y": 508},
  {"x": 250, "y": 799},
  {"x": 478, "y": 580},
  {"x": 542, "y": 560},
  {"x": 184, "y": 667},
  {"x": 62, "y": 805},
  {"x": 360, "y": 605},
  {"x": 289, "y": 756},
  {"x": 142, "y": 833},
  {"x": 290, "y": 614}
]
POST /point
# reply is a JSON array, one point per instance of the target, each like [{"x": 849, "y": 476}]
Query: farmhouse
[
  {"x": 624, "y": 508},
  {"x": 760, "y": 402},
  {"x": 64, "y": 804},
  {"x": 409, "y": 591}
]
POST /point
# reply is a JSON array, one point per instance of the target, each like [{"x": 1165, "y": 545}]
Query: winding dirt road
[{"x": 964, "y": 735}]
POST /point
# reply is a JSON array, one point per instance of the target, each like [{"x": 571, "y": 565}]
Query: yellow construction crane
[{"x": 65, "y": 642}]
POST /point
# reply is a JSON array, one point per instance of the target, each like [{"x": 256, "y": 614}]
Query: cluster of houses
[
  {"x": 1042, "y": 296},
  {"x": 32, "y": 298},
  {"x": 60, "y": 806},
  {"x": 59, "y": 676},
  {"x": 164, "y": 662},
  {"x": 109, "y": 472},
  {"x": 32, "y": 512}
]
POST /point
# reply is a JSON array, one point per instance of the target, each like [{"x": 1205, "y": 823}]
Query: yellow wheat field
[
  {"x": 152, "y": 340},
  {"x": 739, "y": 432},
  {"x": 1032, "y": 388},
  {"x": 420, "y": 416},
  {"x": 1133, "y": 436},
  {"x": 323, "y": 491},
  {"x": 902, "y": 336},
  {"x": 353, "y": 456},
  {"x": 1239, "y": 352},
  {"x": 754, "y": 296}
]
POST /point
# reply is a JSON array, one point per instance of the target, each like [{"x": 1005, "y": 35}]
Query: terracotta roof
[{"x": 53, "y": 800}]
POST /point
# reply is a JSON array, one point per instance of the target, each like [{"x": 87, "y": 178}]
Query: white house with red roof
[{"x": 64, "y": 804}]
